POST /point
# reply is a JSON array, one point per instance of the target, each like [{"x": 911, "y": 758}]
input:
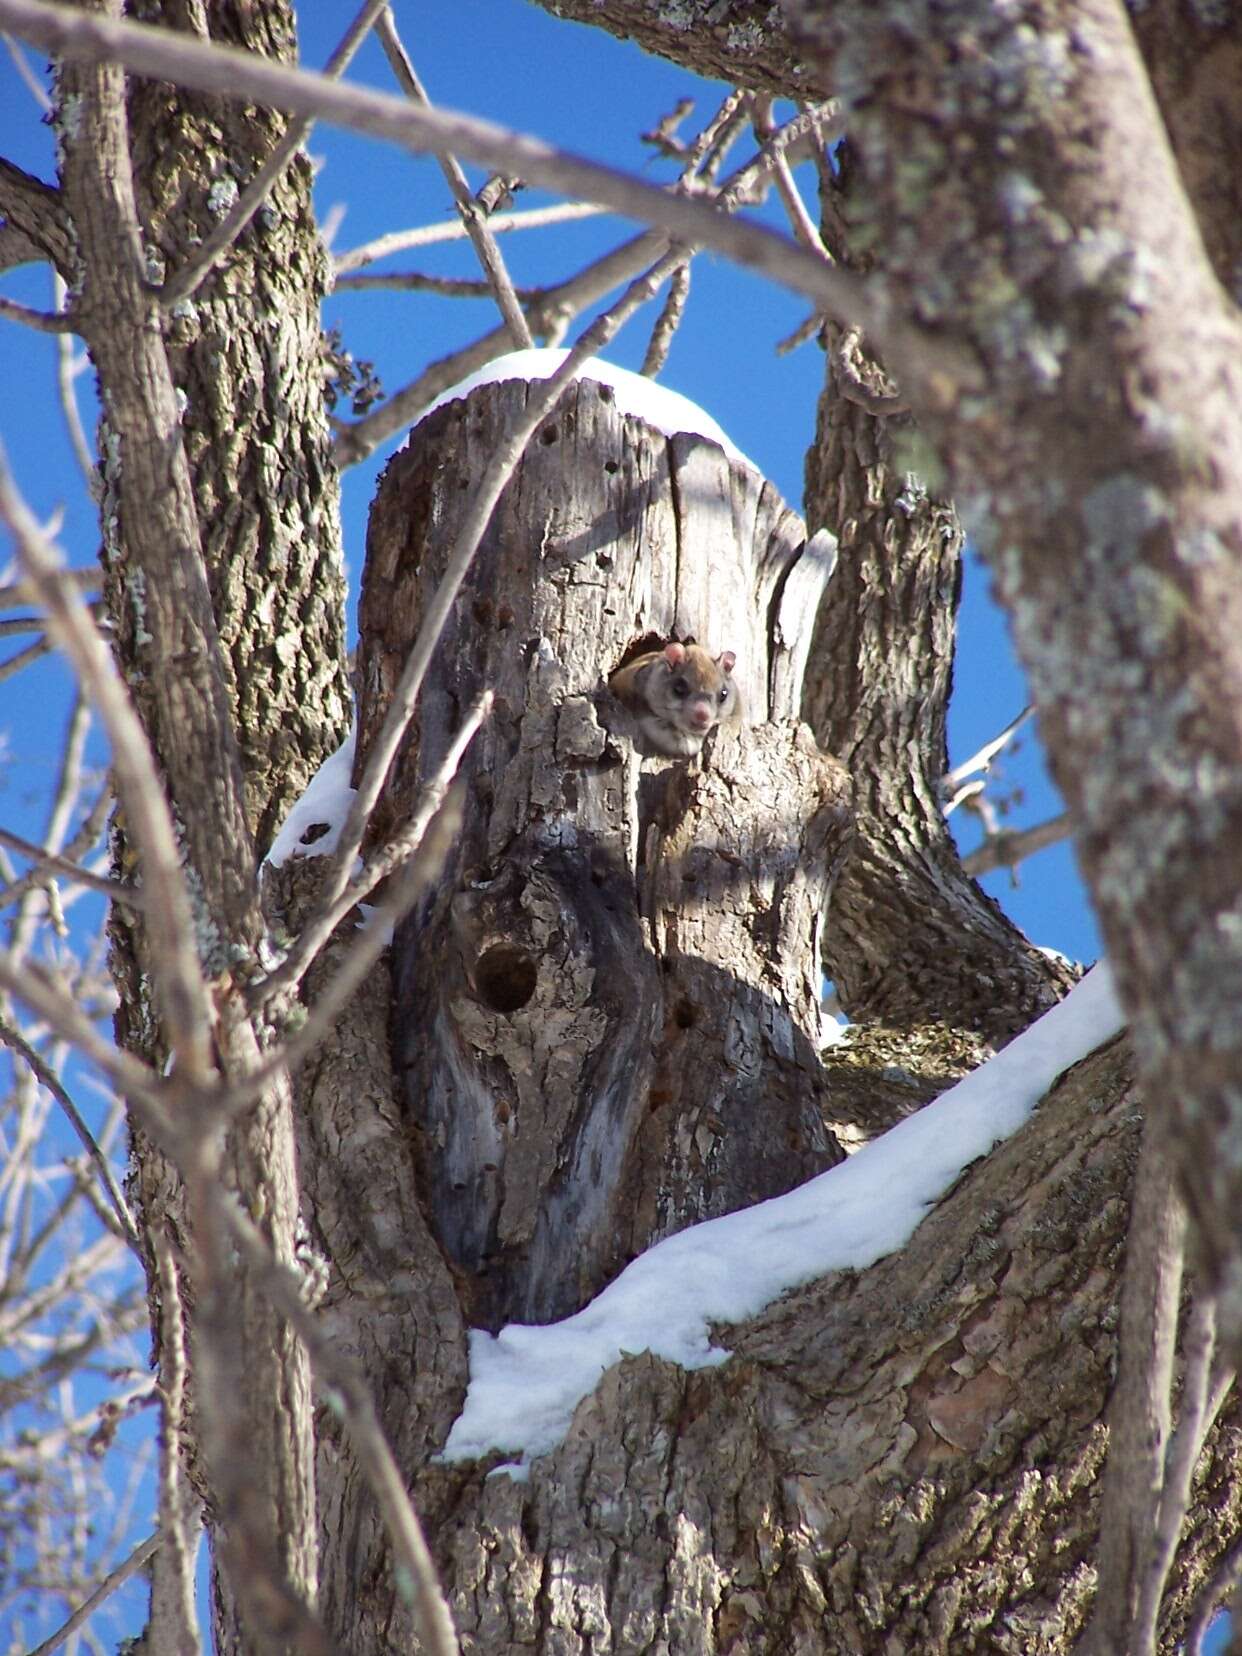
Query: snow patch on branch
[
  {"x": 526, "y": 1382},
  {"x": 657, "y": 406},
  {"x": 323, "y": 806}
]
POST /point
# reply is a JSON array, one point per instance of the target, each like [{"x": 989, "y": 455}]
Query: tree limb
[{"x": 472, "y": 215}]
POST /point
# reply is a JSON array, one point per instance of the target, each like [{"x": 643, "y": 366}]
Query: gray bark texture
[
  {"x": 601, "y": 1023},
  {"x": 607, "y": 1021}
]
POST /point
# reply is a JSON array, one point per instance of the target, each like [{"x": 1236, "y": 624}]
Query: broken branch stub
[{"x": 606, "y": 1017}]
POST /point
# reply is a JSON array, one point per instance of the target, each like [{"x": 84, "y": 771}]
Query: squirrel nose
[{"x": 700, "y": 715}]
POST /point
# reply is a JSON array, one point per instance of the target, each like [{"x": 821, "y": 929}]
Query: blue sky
[
  {"x": 578, "y": 87},
  {"x": 514, "y": 64}
]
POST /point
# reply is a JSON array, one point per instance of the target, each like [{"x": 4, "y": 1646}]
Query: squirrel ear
[
  {"x": 727, "y": 661},
  {"x": 675, "y": 654}
]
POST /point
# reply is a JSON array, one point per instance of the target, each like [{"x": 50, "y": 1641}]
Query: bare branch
[
  {"x": 67, "y": 391},
  {"x": 1181, "y": 1459},
  {"x": 47, "y": 862},
  {"x": 1008, "y": 847},
  {"x": 1140, "y": 1410},
  {"x": 24, "y": 658},
  {"x": 48, "y": 1078},
  {"x": 707, "y": 153},
  {"x": 106, "y": 1588},
  {"x": 22, "y": 64},
  {"x": 982, "y": 760},
  {"x": 449, "y": 287},
  {"x": 413, "y": 879},
  {"x": 668, "y": 321},
  {"x": 87, "y": 580},
  {"x": 42, "y": 321},
  {"x": 179, "y": 980},
  {"x": 63, "y": 1014},
  {"x": 800, "y": 220},
  {"x": 805, "y": 331},
  {"x": 549, "y": 314},
  {"x": 183, "y": 283},
  {"x": 172, "y": 1620},
  {"x": 472, "y": 214},
  {"x": 427, "y": 235},
  {"x": 36, "y": 211},
  {"x": 351, "y": 1398},
  {"x": 561, "y": 302},
  {"x": 230, "y": 73},
  {"x": 89, "y": 831}
]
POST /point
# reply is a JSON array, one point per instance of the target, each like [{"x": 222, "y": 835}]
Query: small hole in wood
[
  {"x": 611, "y": 467},
  {"x": 504, "y": 977},
  {"x": 548, "y": 435},
  {"x": 684, "y": 1015}
]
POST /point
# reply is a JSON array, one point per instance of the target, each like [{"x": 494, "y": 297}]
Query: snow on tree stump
[{"x": 607, "y": 1012}]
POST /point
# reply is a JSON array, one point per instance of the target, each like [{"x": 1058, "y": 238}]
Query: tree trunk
[
  {"x": 607, "y": 1022},
  {"x": 603, "y": 1030}
]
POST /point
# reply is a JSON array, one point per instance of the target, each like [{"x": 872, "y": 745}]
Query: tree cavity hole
[{"x": 504, "y": 977}]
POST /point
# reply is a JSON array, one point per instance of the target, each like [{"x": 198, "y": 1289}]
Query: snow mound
[
  {"x": 526, "y": 1382},
  {"x": 665, "y": 410}
]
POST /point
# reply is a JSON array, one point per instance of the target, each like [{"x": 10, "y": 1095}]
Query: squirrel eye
[
  {"x": 724, "y": 694},
  {"x": 680, "y": 687}
]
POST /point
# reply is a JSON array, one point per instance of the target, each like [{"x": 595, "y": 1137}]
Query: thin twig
[
  {"x": 805, "y": 331},
  {"x": 184, "y": 281},
  {"x": 53, "y": 322},
  {"x": 712, "y": 144},
  {"x": 668, "y": 321},
  {"x": 1008, "y": 847},
  {"x": 20, "y": 592},
  {"x": 408, "y": 886},
  {"x": 549, "y": 315},
  {"x": 554, "y": 305},
  {"x": 22, "y": 65},
  {"x": 428, "y": 235},
  {"x": 24, "y": 658},
  {"x": 229, "y": 72},
  {"x": 172, "y": 1622},
  {"x": 106, "y": 1588},
  {"x": 1180, "y": 1461},
  {"x": 418, "y": 281},
  {"x": 19, "y": 624},
  {"x": 185, "y": 1002},
  {"x": 47, "y": 862},
  {"x": 328, "y": 916},
  {"x": 86, "y": 835},
  {"x": 349, "y": 1393},
  {"x": 67, "y": 392},
  {"x": 472, "y": 215},
  {"x": 48, "y": 1078},
  {"x": 62, "y": 1013},
  {"x": 800, "y": 220}
]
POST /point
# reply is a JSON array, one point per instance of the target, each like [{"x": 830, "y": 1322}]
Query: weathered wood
[{"x": 601, "y": 907}]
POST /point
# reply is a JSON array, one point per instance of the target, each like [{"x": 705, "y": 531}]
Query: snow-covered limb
[
  {"x": 525, "y": 1382},
  {"x": 665, "y": 410}
]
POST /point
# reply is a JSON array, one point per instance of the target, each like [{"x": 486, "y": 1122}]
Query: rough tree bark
[
  {"x": 221, "y": 530},
  {"x": 903, "y": 1460},
  {"x": 607, "y": 1024},
  {"x": 906, "y": 1459}
]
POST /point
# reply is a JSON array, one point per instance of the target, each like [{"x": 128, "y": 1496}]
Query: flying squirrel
[{"x": 678, "y": 694}]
